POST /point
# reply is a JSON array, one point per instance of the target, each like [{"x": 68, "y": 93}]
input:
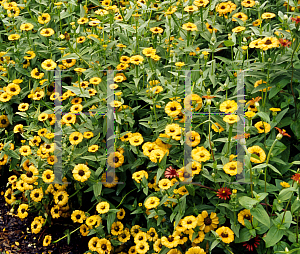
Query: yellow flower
[
  {"x": 240, "y": 15},
  {"x": 49, "y": 64},
  {"x": 156, "y": 30},
  {"x": 170, "y": 241},
  {"x": 152, "y": 202},
  {"x": 191, "y": 9},
  {"x": 268, "y": 43},
  {"x": 231, "y": 119},
  {"x": 138, "y": 176},
  {"x": 117, "y": 228},
  {"x": 256, "y": 22},
  {"x": 226, "y": 234},
  {"x": 44, "y": 18},
  {"x": 284, "y": 184},
  {"x": 219, "y": 128},
  {"x": 259, "y": 152},
  {"x": 192, "y": 138},
  {"x": 4, "y": 97},
  {"x": 82, "y": 21},
  {"x": 136, "y": 139},
  {"x": 156, "y": 155},
  {"x": 262, "y": 127},
  {"x": 206, "y": 223},
  {"x": 179, "y": 64},
  {"x": 201, "y": 3},
  {"x": 26, "y": 27},
  {"x": 244, "y": 214},
  {"x": 25, "y": 150},
  {"x": 14, "y": 37},
  {"x": 164, "y": 184},
  {"x": 250, "y": 114},
  {"x": 230, "y": 168},
  {"x": 228, "y": 106},
  {"x": 137, "y": 59},
  {"x": 47, "y": 240},
  {"x": 115, "y": 159},
  {"x": 93, "y": 148},
  {"x": 81, "y": 172},
  {"x": 200, "y": 154},
  {"x": 78, "y": 216},
  {"x": 102, "y": 207},
  {"x": 36, "y": 195},
  {"x": 75, "y": 138},
  {"x": 194, "y": 250},
  {"x": 31, "y": 53},
  {"x": 48, "y": 176},
  {"x": 47, "y": 32},
  {"x": 84, "y": 230},
  {"x": 275, "y": 109},
  {"x": 193, "y": 102},
  {"x": 80, "y": 39},
  {"x": 189, "y": 222},
  {"x": 36, "y": 74},
  {"x": 268, "y": 15},
  {"x": 248, "y": 3},
  {"x": 238, "y": 29},
  {"x": 189, "y": 27}
]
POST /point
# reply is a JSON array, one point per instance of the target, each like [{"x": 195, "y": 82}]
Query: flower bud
[
  {"x": 285, "y": 16},
  {"x": 213, "y": 175},
  {"x": 256, "y": 104},
  {"x": 279, "y": 136},
  {"x": 208, "y": 101},
  {"x": 208, "y": 92}
]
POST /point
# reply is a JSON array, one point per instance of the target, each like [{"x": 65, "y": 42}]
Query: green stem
[
  {"x": 125, "y": 196},
  {"x": 66, "y": 235}
]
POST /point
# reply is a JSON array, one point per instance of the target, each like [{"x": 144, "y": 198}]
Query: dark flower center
[
  {"x": 81, "y": 172},
  {"x": 207, "y": 221}
]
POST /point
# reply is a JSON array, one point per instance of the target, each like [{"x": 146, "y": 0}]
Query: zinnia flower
[
  {"x": 170, "y": 172},
  {"x": 224, "y": 193}
]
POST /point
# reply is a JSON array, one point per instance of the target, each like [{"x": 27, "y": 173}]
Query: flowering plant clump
[{"x": 177, "y": 69}]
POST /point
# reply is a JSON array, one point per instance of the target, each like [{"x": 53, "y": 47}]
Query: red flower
[
  {"x": 208, "y": 97},
  {"x": 296, "y": 177},
  {"x": 224, "y": 193},
  {"x": 252, "y": 243},
  {"x": 283, "y": 132},
  {"x": 285, "y": 42},
  {"x": 170, "y": 172},
  {"x": 297, "y": 20}
]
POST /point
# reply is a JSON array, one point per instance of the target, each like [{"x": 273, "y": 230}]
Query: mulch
[{"x": 15, "y": 236}]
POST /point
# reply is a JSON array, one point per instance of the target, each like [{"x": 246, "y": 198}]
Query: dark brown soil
[{"x": 15, "y": 236}]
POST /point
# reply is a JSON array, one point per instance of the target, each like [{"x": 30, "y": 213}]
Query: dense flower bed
[{"x": 151, "y": 206}]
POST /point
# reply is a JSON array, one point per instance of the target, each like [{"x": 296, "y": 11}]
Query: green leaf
[
  {"x": 126, "y": 27},
  {"x": 274, "y": 169},
  {"x": 264, "y": 116},
  {"x": 285, "y": 194},
  {"x": 229, "y": 43},
  {"x": 190, "y": 189},
  {"x": 110, "y": 219},
  {"x": 164, "y": 250},
  {"x": 159, "y": 173},
  {"x": 12, "y": 154},
  {"x": 295, "y": 205},
  {"x": 247, "y": 202},
  {"x": 260, "y": 214},
  {"x": 214, "y": 244},
  {"x": 77, "y": 91},
  {"x": 244, "y": 236},
  {"x": 97, "y": 188},
  {"x": 273, "y": 236},
  {"x": 71, "y": 56}
]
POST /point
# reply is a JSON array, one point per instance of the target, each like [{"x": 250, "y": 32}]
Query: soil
[{"x": 15, "y": 236}]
